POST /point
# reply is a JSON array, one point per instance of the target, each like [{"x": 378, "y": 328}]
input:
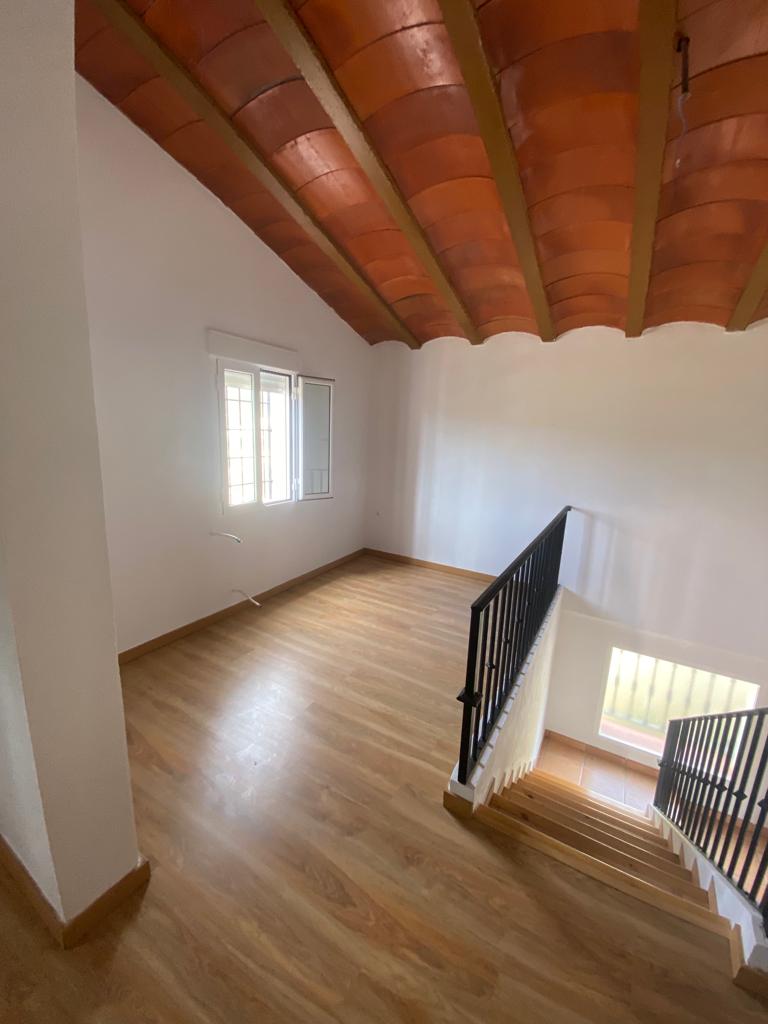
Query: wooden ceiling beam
[
  {"x": 461, "y": 23},
  {"x": 657, "y": 52},
  {"x": 294, "y": 38},
  {"x": 752, "y": 295},
  {"x": 124, "y": 20}
]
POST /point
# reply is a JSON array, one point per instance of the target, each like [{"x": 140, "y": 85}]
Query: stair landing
[{"x": 605, "y": 774}]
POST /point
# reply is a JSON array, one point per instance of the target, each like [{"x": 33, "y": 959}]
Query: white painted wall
[
  {"x": 62, "y": 718},
  {"x": 164, "y": 260},
  {"x": 660, "y": 443}
]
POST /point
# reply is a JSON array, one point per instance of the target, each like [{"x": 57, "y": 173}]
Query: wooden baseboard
[
  {"x": 390, "y": 556},
  {"x": 606, "y": 755},
  {"x": 73, "y": 930},
  {"x": 208, "y": 620},
  {"x": 68, "y": 933}
]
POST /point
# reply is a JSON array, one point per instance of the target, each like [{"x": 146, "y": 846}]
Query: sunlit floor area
[{"x": 288, "y": 767}]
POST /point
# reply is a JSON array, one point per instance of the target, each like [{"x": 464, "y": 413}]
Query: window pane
[
  {"x": 644, "y": 693},
  {"x": 275, "y": 425},
  {"x": 239, "y": 391},
  {"x": 316, "y": 438}
]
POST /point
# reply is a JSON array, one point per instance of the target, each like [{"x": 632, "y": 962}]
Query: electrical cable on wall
[{"x": 237, "y": 540}]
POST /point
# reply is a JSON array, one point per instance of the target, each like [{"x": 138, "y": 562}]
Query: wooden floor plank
[{"x": 288, "y": 766}]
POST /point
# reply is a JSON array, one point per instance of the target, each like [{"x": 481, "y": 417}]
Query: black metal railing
[
  {"x": 712, "y": 786},
  {"x": 503, "y": 624}
]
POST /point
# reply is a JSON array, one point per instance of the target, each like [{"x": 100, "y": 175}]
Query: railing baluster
[
  {"x": 699, "y": 774},
  {"x": 706, "y": 788},
  {"x": 756, "y": 787},
  {"x": 506, "y": 641},
  {"x": 686, "y": 757},
  {"x": 467, "y": 695},
  {"x": 495, "y": 654},
  {"x": 514, "y": 629},
  {"x": 735, "y": 789},
  {"x": 751, "y": 798},
  {"x": 480, "y": 694},
  {"x": 716, "y": 784},
  {"x": 486, "y": 671},
  {"x": 718, "y": 812}
]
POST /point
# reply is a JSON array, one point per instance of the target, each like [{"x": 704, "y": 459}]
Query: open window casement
[{"x": 315, "y": 437}]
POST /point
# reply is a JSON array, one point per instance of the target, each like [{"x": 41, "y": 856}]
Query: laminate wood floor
[{"x": 288, "y": 766}]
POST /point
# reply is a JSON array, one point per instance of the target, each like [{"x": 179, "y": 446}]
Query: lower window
[{"x": 644, "y": 693}]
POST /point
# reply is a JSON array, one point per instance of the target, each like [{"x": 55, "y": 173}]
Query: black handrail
[
  {"x": 503, "y": 624},
  {"x": 711, "y": 765}
]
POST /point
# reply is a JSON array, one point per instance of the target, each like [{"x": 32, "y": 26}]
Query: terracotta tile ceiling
[{"x": 444, "y": 167}]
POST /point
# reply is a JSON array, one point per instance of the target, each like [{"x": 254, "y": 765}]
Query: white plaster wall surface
[
  {"x": 56, "y": 574},
  {"x": 659, "y": 442},
  {"x": 164, "y": 261}
]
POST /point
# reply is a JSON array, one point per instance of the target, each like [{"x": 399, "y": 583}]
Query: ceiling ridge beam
[
  {"x": 752, "y": 296},
  {"x": 657, "y": 50},
  {"x": 129, "y": 24},
  {"x": 302, "y": 50},
  {"x": 461, "y": 22}
]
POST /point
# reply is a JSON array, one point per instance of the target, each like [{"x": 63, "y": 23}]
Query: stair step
[
  {"x": 608, "y": 854},
  {"x": 583, "y": 793},
  {"x": 602, "y": 819},
  {"x": 617, "y": 878},
  {"x": 517, "y": 799},
  {"x": 578, "y": 788},
  {"x": 584, "y": 798}
]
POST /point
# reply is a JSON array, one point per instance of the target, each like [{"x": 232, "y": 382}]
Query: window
[
  {"x": 274, "y": 448},
  {"x": 315, "y": 437},
  {"x": 643, "y": 693},
  {"x": 241, "y": 454},
  {"x": 275, "y": 421}
]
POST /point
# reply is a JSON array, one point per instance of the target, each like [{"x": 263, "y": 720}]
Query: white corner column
[{"x": 65, "y": 798}]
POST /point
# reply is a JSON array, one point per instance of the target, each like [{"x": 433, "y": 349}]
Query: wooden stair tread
[
  {"x": 599, "y": 813},
  {"x": 624, "y": 881},
  {"x": 660, "y": 856},
  {"x": 580, "y": 797},
  {"x": 635, "y": 865},
  {"x": 576, "y": 787},
  {"x": 602, "y": 819},
  {"x": 584, "y": 793}
]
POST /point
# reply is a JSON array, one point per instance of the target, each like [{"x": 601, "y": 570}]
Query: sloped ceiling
[{"x": 456, "y": 168}]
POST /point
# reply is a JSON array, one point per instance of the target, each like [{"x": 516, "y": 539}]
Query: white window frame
[
  {"x": 330, "y": 383},
  {"x": 291, "y": 435},
  {"x": 221, "y": 366},
  {"x": 254, "y": 369},
  {"x": 296, "y": 445}
]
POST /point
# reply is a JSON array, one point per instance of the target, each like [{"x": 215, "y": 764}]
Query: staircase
[{"x": 603, "y": 839}]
